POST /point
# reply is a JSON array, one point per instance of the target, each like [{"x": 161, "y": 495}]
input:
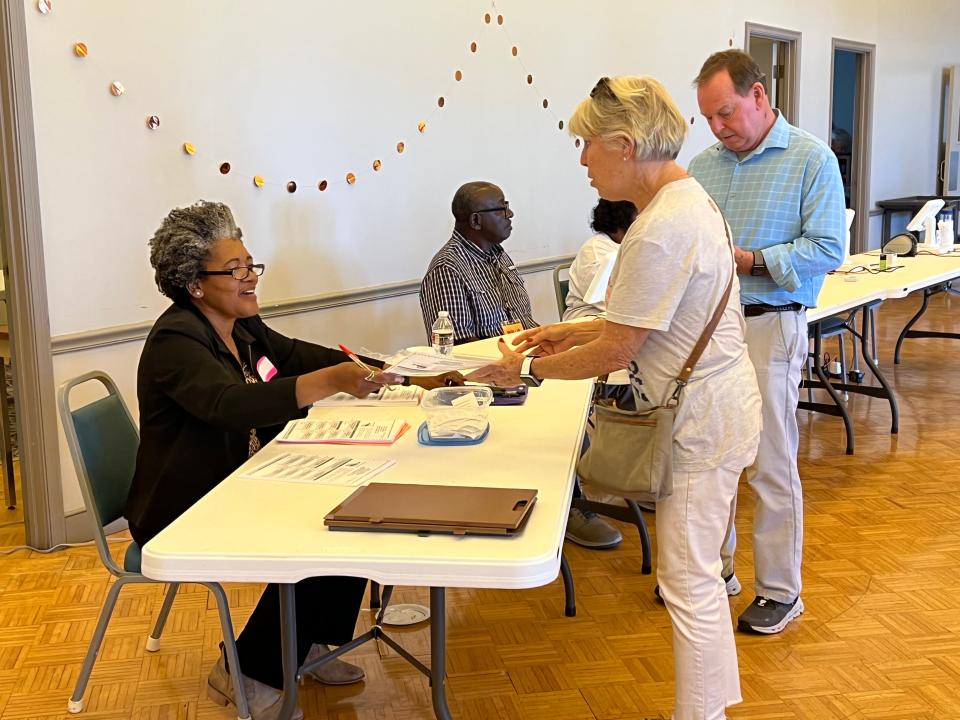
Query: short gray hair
[
  {"x": 632, "y": 108},
  {"x": 183, "y": 241}
]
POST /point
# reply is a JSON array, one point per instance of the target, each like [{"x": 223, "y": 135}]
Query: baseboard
[{"x": 77, "y": 527}]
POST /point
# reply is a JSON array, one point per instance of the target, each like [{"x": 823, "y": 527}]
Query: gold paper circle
[
  {"x": 80, "y": 49},
  {"x": 473, "y": 47},
  {"x": 351, "y": 178},
  {"x": 291, "y": 187},
  {"x": 153, "y": 122},
  {"x": 189, "y": 149},
  {"x": 499, "y": 19},
  {"x": 514, "y": 50},
  {"x": 117, "y": 89},
  {"x": 322, "y": 185},
  {"x": 529, "y": 79},
  {"x": 377, "y": 165},
  {"x": 486, "y": 18},
  {"x": 441, "y": 101},
  {"x": 259, "y": 181},
  {"x": 224, "y": 168},
  {"x": 44, "y": 6},
  {"x": 421, "y": 126},
  {"x": 400, "y": 147},
  {"x": 458, "y": 76}
]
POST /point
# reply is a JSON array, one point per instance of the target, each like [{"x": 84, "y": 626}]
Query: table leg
[
  {"x": 907, "y": 332},
  {"x": 868, "y": 331},
  {"x": 438, "y": 652},
  {"x": 569, "y": 596},
  {"x": 288, "y": 649},
  {"x": 838, "y": 408}
]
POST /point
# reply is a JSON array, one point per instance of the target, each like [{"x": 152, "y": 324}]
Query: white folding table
[{"x": 268, "y": 531}]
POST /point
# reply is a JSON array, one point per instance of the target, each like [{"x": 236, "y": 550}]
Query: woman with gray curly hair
[
  {"x": 214, "y": 383},
  {"x": 672, "y": 272}
]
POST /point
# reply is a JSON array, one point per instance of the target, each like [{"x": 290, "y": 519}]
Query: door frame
[
  {"x": 863, "y": 141},
  {"x": 26, "y": 288},
  {"x": 792, "y": 78}
]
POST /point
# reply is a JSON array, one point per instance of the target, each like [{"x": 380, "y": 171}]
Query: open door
[{"x": 949, "y": 171}]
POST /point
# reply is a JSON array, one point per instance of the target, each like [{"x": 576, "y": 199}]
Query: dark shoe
[
  {"x": 588, "y": 529},
  {"x": 768, "y": 616},
  {"x": 733, "y": 587},
  {"x": 264, "y": 701},
  {"x": 335, "y": 672}
]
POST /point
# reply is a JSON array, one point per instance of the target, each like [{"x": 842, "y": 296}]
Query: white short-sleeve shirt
[{"x": 673, "y": 266}]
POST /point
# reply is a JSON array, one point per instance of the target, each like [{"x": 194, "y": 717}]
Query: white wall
[{"x": 310, "y": 90}]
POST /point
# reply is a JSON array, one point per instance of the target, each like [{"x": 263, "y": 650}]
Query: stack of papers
[
  {"x": 317, "y": 469},
  {"x": 343, "y": 432},
  {"x": 387, "y": 395}
]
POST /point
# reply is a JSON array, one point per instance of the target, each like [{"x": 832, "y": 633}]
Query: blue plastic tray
[{"x": 423, "y": 437}]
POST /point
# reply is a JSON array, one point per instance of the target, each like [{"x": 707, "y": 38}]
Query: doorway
[
  {"x": 12, "y": 531},
  {"x": 851, "y": 123},
  {"x": 777, "y": 52}
]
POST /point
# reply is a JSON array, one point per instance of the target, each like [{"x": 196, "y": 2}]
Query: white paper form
[
  {"x": 317, "y": 469},
  {"x": 387, "y": 395},
  {"x": 345, "y": 431},
  {"x": 421, "y": 364}
]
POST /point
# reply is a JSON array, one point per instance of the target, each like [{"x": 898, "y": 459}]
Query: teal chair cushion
[
  {"x": 132, "y": 558},
  {"x": 108, "y": 443}
]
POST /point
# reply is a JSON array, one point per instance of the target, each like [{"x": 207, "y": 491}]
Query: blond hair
[{"x": 632, "y": 108}]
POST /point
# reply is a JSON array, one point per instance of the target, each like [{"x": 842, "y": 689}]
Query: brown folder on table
[{"x": 433, "y": 508}]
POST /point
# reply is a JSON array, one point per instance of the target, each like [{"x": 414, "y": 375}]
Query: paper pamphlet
[
  {"x": 317, "y": 469},
  {"x": 419, "y": 364},
  {"x": 387, "y": 395},
  {"x": 343, "y": 432}
]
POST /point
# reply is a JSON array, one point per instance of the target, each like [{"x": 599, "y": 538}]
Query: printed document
[
  {"x": 317, "y": 469},
  {"x": 344, "y": 432}
]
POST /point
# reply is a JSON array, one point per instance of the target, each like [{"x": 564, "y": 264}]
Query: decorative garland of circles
[{"x": 116, "y": 88}]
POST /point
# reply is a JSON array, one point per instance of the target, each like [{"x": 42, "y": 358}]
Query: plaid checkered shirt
[{"x": 480, "y": 289}]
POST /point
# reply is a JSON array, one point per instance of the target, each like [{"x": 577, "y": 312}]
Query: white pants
[
  {"x": 778, "y": 347},
  {"x": 690, "y": 528}
]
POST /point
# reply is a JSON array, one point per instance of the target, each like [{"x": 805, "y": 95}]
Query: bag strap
[{"x": 707, "y": 333}]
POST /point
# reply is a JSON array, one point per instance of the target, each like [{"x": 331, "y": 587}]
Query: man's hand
[
  {"x": 744, "y": 260},
  {"x": 505, "y": 372},
  {"x": 547, "y": 339},
  {"x": 435, "y": 381}
]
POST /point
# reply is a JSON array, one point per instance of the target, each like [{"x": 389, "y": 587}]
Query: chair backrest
[
  {"x": 560, "y": 286},
  {"x": 103, "y": 442},
  {"x": 850, "y": 215}
]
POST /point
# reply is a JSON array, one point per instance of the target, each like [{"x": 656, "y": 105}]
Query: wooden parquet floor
[{"x": 880, "y": 639}]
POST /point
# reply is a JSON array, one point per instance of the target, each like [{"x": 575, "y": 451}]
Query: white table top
[
  {"x": 842, "y": 292},
  {"x": 259, "y": 531}
]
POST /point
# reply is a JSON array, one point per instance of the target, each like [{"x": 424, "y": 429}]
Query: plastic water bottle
[{"x": 441, "y": 335}]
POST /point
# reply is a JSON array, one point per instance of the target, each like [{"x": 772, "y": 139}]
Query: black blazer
[{"x": 196, "y": 410}]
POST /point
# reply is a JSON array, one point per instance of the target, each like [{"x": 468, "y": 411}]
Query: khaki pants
[{"x": 778, "y": 347}]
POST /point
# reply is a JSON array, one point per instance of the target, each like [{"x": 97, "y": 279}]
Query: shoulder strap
[{"x": 707, "y": 333}]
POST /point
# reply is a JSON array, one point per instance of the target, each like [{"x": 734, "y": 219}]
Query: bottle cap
[{"x": 443, "y": 313}]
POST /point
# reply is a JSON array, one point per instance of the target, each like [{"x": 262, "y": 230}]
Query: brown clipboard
[{"x": 418, "y": 508}]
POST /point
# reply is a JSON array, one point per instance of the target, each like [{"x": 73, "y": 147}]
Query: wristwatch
[
  {"x": 526, "y": 372},
  {"x": 759, "y": 266}
]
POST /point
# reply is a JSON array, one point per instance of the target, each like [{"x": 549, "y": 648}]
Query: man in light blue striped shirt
[{"x": 780, "y": 190}]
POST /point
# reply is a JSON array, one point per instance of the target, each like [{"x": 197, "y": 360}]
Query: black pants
[{"x": 327, "y": 609}]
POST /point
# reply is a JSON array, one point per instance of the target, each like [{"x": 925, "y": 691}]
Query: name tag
[
  {"x": 511, "y": 326},
  {"x": 265, "y": 369}
]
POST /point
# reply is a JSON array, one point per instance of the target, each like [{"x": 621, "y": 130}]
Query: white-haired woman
[{"x": 673, "y": 267}]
